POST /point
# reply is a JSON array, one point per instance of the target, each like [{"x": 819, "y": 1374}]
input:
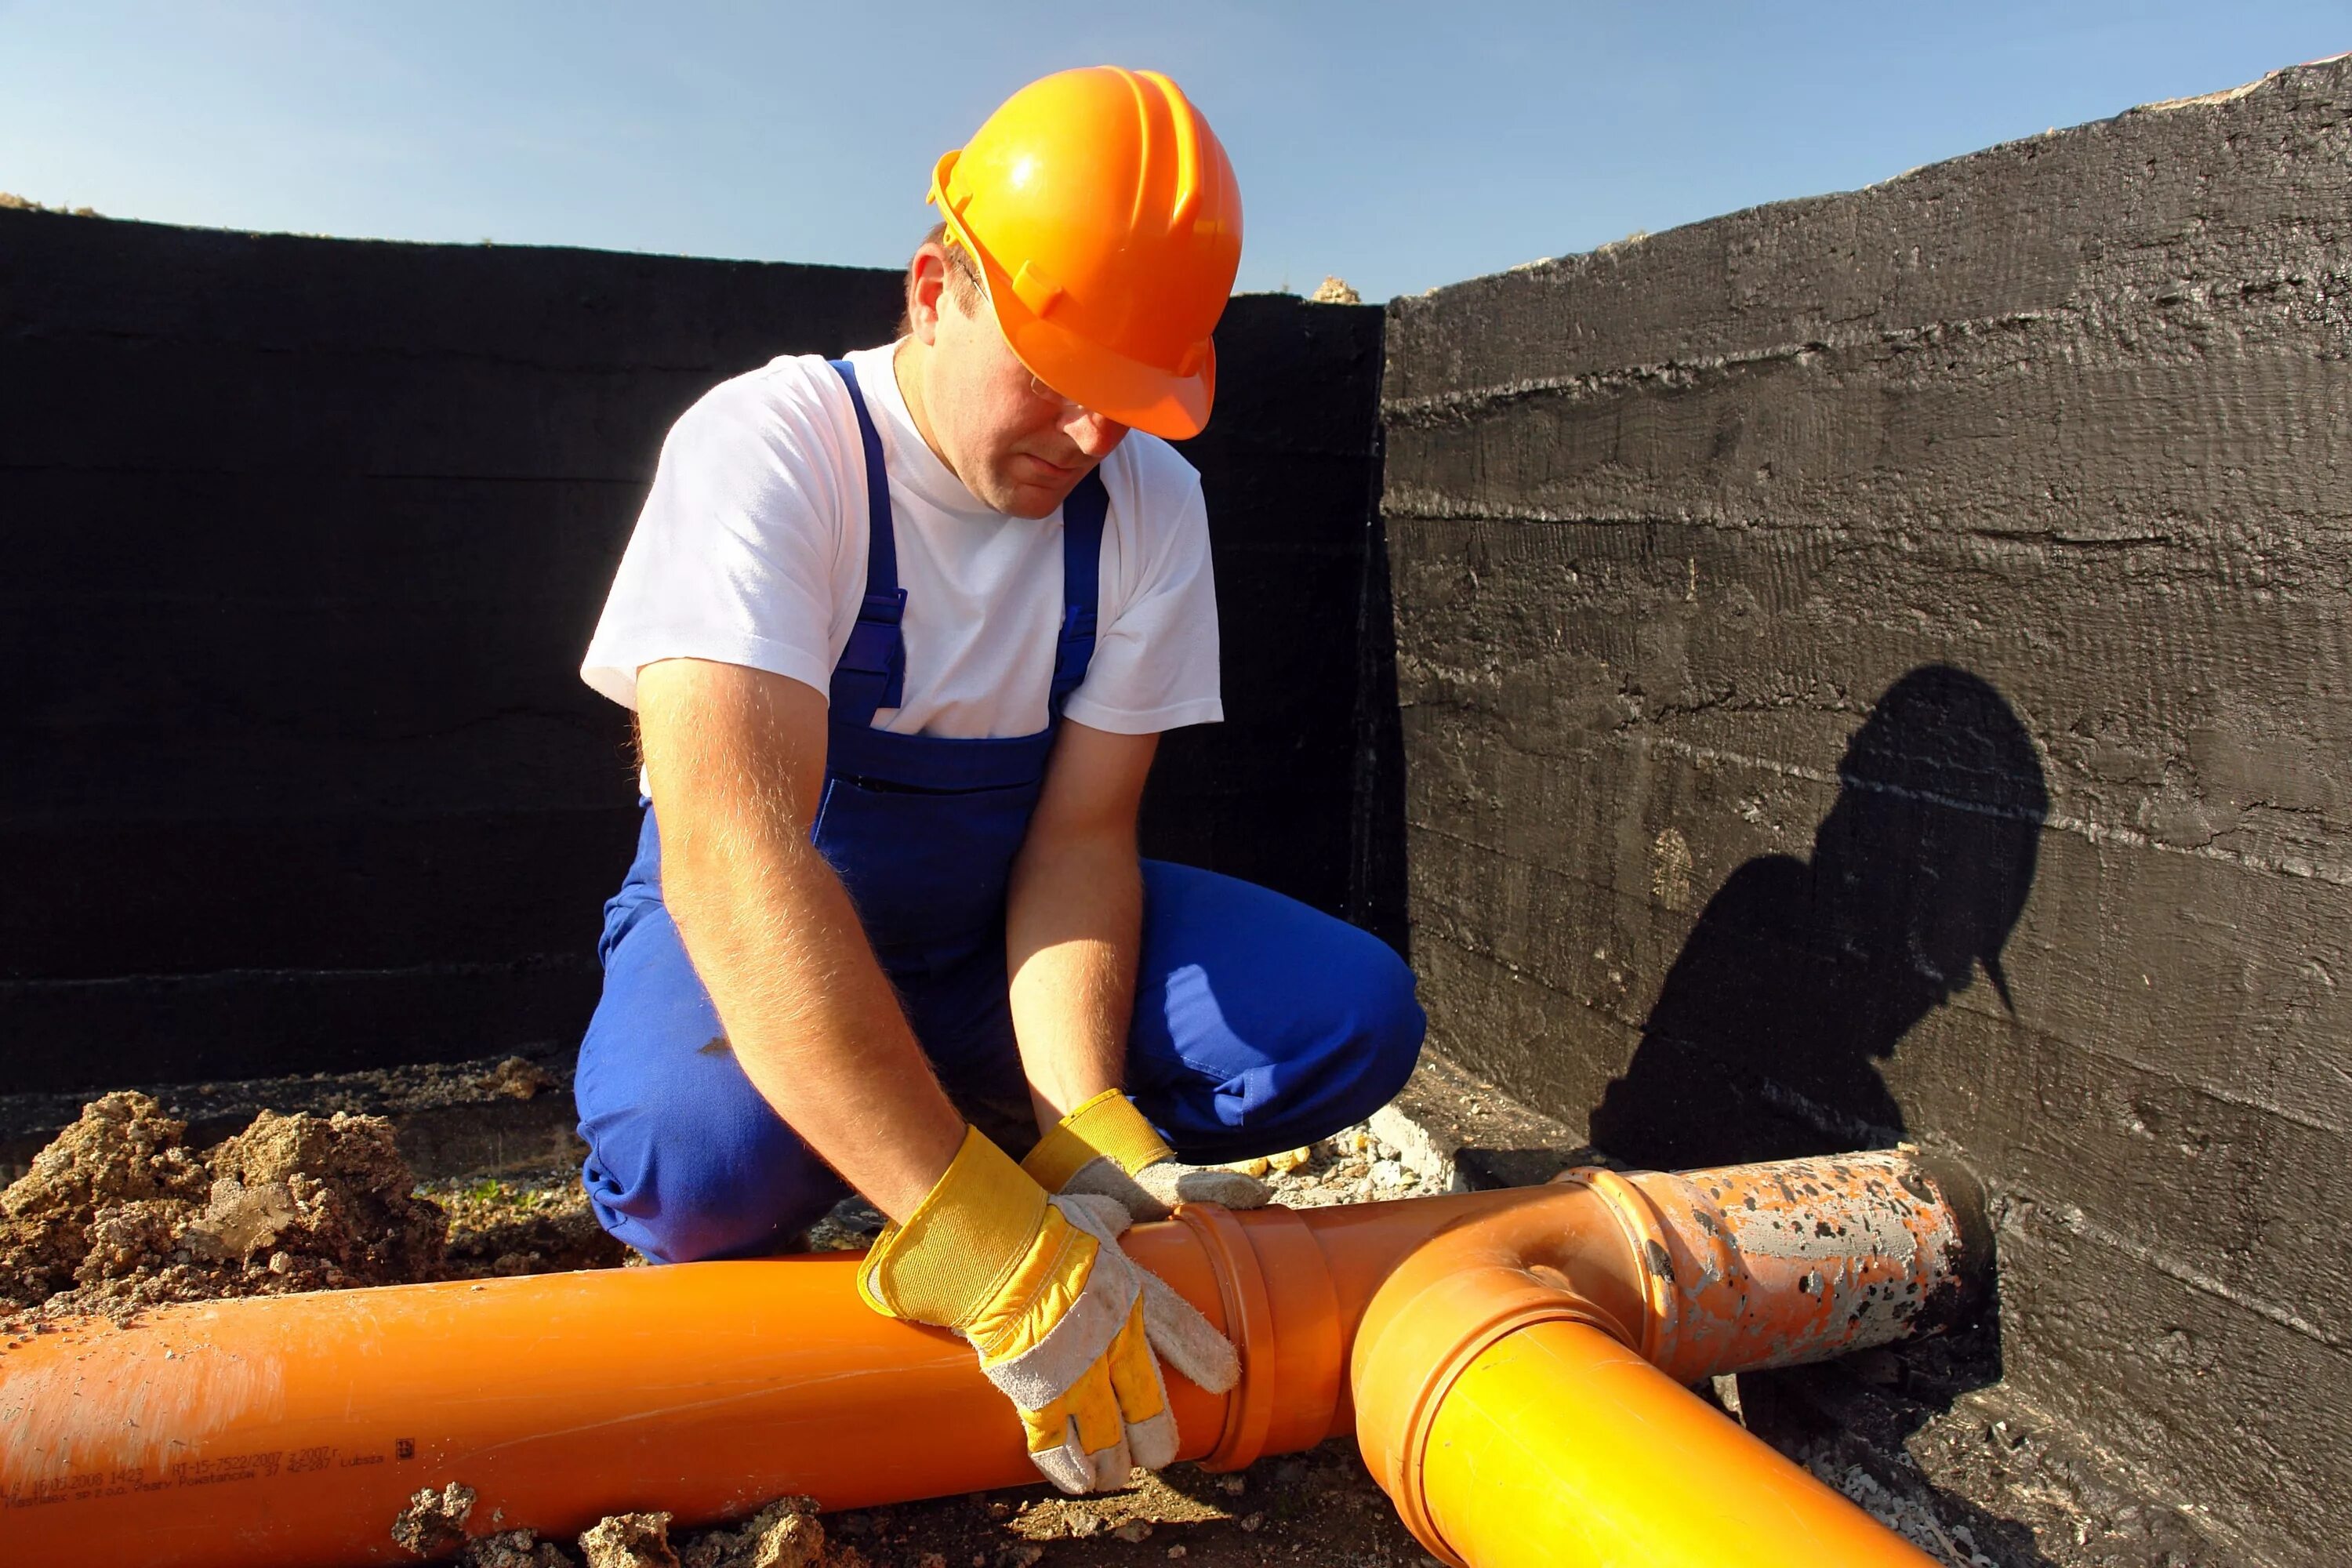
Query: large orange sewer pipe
[{"x": 1516, "y": 1362}]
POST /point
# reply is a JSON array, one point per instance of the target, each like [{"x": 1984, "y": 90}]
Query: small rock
[
  {"x": 1134, "y": 1530},
  {"x": 1232, "y": 1485},
  {"x": 1389, "y": 1176},
  {"x": 1176, "y": 1551},
  {"x": 434, "y": 1523},
  {"x": 1290, "y": 1159},
  {"x": 788, "y": 1535},
  {"x": 519, "y": 1079},
  {"x": 1252, "y": 1521},
  {"x": 1082, "y": 1525},
  {"x": 629, "y": 1540}
]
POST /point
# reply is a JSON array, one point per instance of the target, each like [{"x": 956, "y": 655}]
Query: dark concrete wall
[
  {"x": 1880, "y": 666},
  {"x": 304, "y": 540}
]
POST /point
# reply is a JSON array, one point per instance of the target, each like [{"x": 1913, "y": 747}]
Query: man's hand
[
  {"x": 1105, "y": 1147},
  {"x": 1064, "y": 1323}
]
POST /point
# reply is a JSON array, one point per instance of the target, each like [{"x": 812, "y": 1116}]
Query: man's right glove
[
  {"x": 1064, "y": 1323},
  {"x": 1106, "y": 1146}
]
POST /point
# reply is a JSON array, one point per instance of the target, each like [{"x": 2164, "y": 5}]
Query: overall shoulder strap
[
  {"x": 872, "y": 672},
  {"x": 1083, "y": 514}
]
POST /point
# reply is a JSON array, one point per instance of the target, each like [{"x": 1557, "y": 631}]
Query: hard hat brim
[{"x": 1141, "y": 396}]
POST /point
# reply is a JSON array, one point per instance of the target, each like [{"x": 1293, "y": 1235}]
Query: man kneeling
[{"x": 901, "y": 632}]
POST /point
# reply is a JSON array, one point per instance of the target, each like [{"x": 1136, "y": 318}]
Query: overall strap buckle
[{"x": 873, "y": 669}]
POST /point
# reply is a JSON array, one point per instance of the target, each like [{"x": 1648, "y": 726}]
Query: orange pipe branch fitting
[
  {"x": 1502, "y": 1370},
  {"x": 291, "y": 1430}
]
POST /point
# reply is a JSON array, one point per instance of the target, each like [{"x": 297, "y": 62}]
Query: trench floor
[{"x": 1916, "y": 1436}]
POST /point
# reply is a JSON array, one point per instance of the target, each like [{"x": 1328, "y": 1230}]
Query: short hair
[{"x": 964, "y": 283}]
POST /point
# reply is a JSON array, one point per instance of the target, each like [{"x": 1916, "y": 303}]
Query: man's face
[{"x": 1015, "y": 446}]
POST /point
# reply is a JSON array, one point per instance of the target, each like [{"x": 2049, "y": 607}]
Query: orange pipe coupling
[{"x": 1517, "y": 1359}]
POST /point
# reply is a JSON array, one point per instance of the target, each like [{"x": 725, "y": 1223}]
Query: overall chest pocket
[{"x": 924, "y": 867}]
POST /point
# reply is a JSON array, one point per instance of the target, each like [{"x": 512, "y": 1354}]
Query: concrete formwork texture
[{"x": 1875, "y": 667}]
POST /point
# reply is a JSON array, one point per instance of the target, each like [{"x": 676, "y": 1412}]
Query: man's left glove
[
  {"x": 1064, "y": 1322},
  {"x": 1105, "y": 1147}
]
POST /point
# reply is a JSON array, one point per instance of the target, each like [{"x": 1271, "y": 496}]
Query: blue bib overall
[{"x": 1260, "y": 1023}]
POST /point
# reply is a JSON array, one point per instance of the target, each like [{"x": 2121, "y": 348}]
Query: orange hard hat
[{"x": 1107, "y": 225}]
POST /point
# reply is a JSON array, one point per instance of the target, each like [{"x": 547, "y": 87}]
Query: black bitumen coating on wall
[
  {"x": 1880, "y": 666},
  {"x": 305, "y": 538}
]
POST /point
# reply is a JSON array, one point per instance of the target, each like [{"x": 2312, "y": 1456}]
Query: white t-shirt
[{"x": 752, "y": 550}]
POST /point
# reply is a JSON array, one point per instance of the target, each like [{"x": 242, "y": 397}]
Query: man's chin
[{"x": 1028, "y": 497}]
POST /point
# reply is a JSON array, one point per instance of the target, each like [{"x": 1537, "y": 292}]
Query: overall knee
[
  {"x": 1390, "y": 1026},
  {"x": 681, "y": 1190}
]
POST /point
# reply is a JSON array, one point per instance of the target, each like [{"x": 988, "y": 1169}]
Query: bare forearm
[
  {"x": 807, "y": 1011},
  {"x": 1074, "y": 926},
  {"x": 812, "y": 1020}
]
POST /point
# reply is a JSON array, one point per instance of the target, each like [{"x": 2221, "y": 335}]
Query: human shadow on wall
[{"x": 1801, "y": 975}]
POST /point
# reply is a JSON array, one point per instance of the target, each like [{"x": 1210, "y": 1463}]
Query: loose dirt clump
[
  {"x": 786, "y": 1533},
  {"x": 513, "y": 1549},
  {"x": 630, "y": 1540},
  {"x": 330, "y": 1194},
  {"x": 517, "y": 1077},
  {"x": 120, "y": 1167},
  {"x": 117, "y": 1212},
  {"x": 434, "y": 1523}
]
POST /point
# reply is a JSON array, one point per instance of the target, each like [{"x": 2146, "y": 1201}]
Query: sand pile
[{"x": 119, "y": 1212}]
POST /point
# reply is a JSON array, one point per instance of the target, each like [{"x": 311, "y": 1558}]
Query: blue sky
[{"x": 1403, "y": 146}]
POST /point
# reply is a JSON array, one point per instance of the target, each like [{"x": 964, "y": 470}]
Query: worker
[{"x": 901, "y": 632}]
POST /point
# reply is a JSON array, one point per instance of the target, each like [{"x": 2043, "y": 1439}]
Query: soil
[
  {"x": 119, "y": 1212},
  {"x": 1314, "y": 1511},
  {"x": 1964, "y": 1472},
  {"x": 533, "y": 1222}
]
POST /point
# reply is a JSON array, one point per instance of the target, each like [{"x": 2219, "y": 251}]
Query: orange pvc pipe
[
  {"x": 1519, "y": 1377},
  {"x": 1558, "y": 1446},
  {"x": 291, "y": 1430}
]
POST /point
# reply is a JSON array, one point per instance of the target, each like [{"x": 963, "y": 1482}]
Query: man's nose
[{"x": 1094, "y": 434}]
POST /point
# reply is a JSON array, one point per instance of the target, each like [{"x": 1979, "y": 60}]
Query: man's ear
[{"x": 926, "y": 282}]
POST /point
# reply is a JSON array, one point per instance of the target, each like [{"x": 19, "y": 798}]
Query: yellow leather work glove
[
  {"x": 1106, "y": 1146},
  {"x": 1064, "y": 1322}
]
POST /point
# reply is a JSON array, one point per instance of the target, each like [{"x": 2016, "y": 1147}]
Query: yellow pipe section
[{"x": 1502, "y": 1347}]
